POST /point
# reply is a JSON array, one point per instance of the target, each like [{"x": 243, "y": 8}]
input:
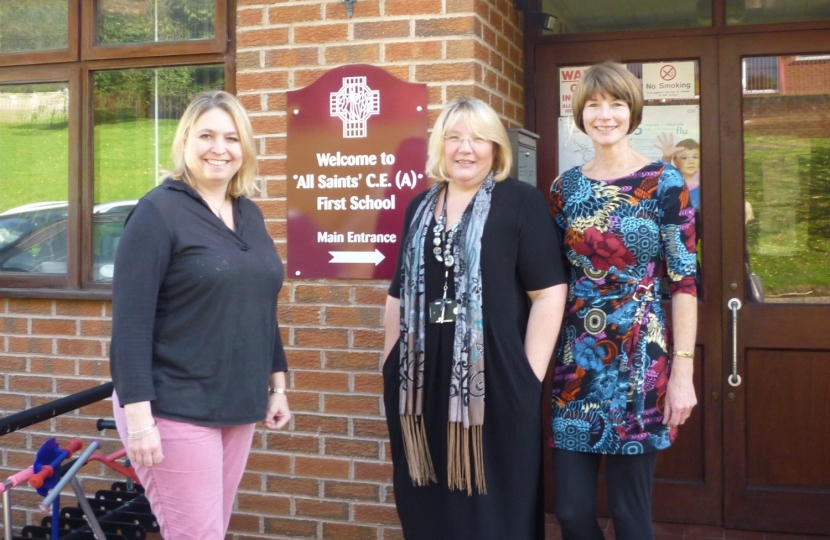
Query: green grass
[
  {"x": 787, "y": 182},
  {"x": 33, "y": 161}
]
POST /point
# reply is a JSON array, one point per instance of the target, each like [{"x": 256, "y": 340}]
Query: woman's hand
[
  {"x": 278, "y": 414},
  {"x": 145, "y": 448},
  {"x": 680, "y": 393}
]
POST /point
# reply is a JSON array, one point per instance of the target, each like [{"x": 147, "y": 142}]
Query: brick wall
[{"x": 329, "y": 476}]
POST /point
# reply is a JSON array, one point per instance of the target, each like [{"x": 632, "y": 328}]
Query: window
[{"x": 90, "y": 95}]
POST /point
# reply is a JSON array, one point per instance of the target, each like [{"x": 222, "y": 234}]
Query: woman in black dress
[{"x": 479, "y": 283}]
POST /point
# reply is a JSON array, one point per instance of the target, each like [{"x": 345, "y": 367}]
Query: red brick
[
  {"x": 412, "y": 7},
  {"x": 305, "y": 77},
  {"x": 301, "y": 56},
  {"x": 96, "y": 328},
  {"x": 457, "y": 71},
  {"x": 351, "y": 448},
  {"x": 322, "y": 509},
  {"x": 14, "y": 325},
  {"x": 321, "y": 467},
  {"x": 325, "y": 33},
  {"x": 381, "y": 30},
  {"x": 372, "y": 295},
  {"x": 73, "y": 386},
  {"x": 370, "y": 428},
  {"x": 365, "y": 9},
  {"x": 304, "y": 401},
  {"x": 53, "y": 366},
  {"x": 80, "y": 308},
  {"x": 322, "y": 294},
  {"x": 399, "y": 72},
  {"x": 272, "y": 167},
  {"x": 268, "y": 37},
  {"x": 93, "y": 368},
  {"x": 30, "y": 306},
  {"x": 320, "y": 338},
  {"x": 294, "y": 14},
  {"x": 392, "y": 534},
  {"x": 370, "y": 383},
  {"x": 276, "y": 145},
  {"x": 244, "y": 523},
  {"x": 349, "y": 360},
  {"x": 292, "y": 314},
  {"x": 276, "y": 229},
  {"x": 371, "y": 513},
  {"x": 30, "y": 345},
  {"x": 460, "y": 6},
  {"x": 454, "y": 26},
  {"x": 288, "y": 442},
  {"x": 11, "y": 402},
  {"x": 261, "y": 81},
  {"x": 12, "y": 363},
  {"x": 320, "y": 424},
  {"x": 351, "y": 404},
  {"x": 373, "y": 471},
  {"x": 80, "y": 347},
  {"x": 269, "y": 123},
  {"x": 264, "y": 504},
  {"x": 270, "y": 463},
  {"x": 419, "y": 50},
  {"x": 367, "y": 339},
  {"x": 250, "y": 17},
  {"x": 353, "y": 316},
  {"x": 291, "y": 527},
  {"x": 352, "y": 54},
  {"x": 65, "y": 327},
  {"x": 304, "y": 358},
  {"x": 351, "y": 491},
  {"x": 343, "y": 531},
  {"x": 319, "y": 380},
  {"x": 293, "y": 486}
]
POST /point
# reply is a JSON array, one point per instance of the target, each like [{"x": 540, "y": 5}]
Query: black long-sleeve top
[{"x": 195, "y": 327}]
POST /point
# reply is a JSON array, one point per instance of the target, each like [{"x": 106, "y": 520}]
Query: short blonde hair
[
  {"x": 614, "y": 80},
  {"x": 483, "y": 122},
  {"x": 242, "y": 183}
]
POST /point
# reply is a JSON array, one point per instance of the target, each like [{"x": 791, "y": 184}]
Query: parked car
[{"x": 33, "y": 237}]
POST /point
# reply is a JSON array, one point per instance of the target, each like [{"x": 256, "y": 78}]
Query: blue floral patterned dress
[{"x": 612, "y": 368}]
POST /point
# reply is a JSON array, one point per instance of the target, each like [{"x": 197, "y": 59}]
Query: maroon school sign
[{"x": 357, "y": 146}]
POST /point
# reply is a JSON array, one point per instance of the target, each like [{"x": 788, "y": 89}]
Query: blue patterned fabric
[{"x": 621, "y": 237}]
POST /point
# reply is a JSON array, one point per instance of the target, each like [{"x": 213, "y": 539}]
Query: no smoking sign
[{"x": 663, "y": 80}]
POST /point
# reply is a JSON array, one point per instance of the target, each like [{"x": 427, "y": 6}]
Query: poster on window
[{"x": 667, "y": 132}]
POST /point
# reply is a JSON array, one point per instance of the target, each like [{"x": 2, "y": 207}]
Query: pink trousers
[{"x": 192, "y": 490}]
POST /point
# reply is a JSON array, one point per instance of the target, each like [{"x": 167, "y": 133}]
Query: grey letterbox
[{"x": 523, "y": 143}]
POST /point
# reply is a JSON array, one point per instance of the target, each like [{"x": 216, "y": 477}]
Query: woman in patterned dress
[{"x": 622, "y": 379}]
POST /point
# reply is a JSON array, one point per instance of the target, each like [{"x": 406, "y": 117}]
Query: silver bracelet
[
  {"x": 278, "y": 390},
  {"x": 133, "y": 435}
]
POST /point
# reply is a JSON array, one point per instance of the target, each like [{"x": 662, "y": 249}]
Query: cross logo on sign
[
  {"x": 354, "y": 103},
  {"x": 668, "y": 73}
]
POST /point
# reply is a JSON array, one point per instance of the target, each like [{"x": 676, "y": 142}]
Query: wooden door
[
  {"x": 775, "y": 141},
  {"x": 689, "y": 475}
]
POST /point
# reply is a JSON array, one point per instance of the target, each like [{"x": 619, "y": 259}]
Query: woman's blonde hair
[
  {"x": 242, "y": 183},
  {"x": 614, "y": 80},
  {"x": 483, "y": 122}
]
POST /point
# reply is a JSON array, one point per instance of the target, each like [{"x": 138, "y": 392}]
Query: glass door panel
[{"x": 786, "y": 119}]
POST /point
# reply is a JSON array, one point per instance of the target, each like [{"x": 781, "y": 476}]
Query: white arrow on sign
[{"x": 356, "y": 257}]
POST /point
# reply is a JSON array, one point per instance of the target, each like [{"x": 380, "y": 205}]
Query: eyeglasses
[{"x": 455, "y": 140}]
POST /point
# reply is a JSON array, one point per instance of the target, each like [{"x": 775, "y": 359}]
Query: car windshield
[{"x": 20, "y": 222}]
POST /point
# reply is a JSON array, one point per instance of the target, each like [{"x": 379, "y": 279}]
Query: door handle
[{"x": 734, "y": 305}]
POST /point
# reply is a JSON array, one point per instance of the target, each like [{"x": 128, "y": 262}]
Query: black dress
[{"x": 520, "y": 252}]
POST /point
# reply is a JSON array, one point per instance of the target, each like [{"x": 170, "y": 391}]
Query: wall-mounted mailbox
[{"x": 523, "y": 143}]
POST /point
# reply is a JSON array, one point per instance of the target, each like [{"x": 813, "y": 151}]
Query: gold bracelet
[
  {"x": 276, "y": 391},
  {"x": 684, "y": 354}
]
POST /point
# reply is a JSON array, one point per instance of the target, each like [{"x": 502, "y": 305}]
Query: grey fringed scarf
[{"x": 466, "y": 414}]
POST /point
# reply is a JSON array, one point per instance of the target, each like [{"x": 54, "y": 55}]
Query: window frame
[{"x": 76, "y": 68}]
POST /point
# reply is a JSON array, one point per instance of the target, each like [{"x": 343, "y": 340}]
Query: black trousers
[{"x": 629, "y": 479}]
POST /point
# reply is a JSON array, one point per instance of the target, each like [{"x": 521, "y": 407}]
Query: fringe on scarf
[
  {"x": 459, "y": 466},
  {"x": 416, "y": 448}
]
